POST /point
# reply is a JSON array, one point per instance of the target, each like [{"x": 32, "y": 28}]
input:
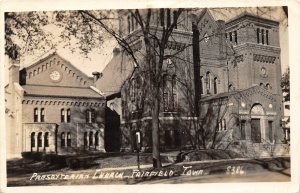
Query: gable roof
[
  {"x": 116, "y": 72},
  {"x": 55, "y": 53},
  {"x": 63, "y": 91}
]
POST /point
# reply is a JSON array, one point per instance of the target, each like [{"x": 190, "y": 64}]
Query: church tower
[{"x": 255, "y": 42}]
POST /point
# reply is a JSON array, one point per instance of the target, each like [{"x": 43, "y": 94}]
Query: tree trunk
[{"x": 155, "y": 134}]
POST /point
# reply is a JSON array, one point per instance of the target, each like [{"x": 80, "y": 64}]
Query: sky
[{"x": 98, "y": 59}]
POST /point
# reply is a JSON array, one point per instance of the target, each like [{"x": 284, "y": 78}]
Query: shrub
[
  {"x": 37, "y": 156},
  {"x": 59, "y": 160}
]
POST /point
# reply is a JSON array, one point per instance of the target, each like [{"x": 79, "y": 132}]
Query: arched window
[
  {"x": 69, "y": 139},
  {"x": 32, "y": 139},
  {"x": 97, "y": 138},
  {"x": 261, "y": 84},
  {"x": 46, "y": 139},
  {"x": 35, "y": 115},
  {"x": 42, "y": 115},
  {"x": 230, "y": 87},
  {"x": 230, "y": 36},
  {"x": 215, "y": 85},
  {"x": 30, "y": 74},
  {"x": 91, "y": 138},
  {"x": 62, "y": 115},
  {"x": 68, "y": 115},
  {"x": 201, "y": 85},
  {"x": 208, "y": 84},
  {"x": 63, "y": 139},
  {"x": 85, "y": 139},
  {"x": 88, "y": 115},
  {"x": 39, "y": 139},
  {"x": 268, "y": 86}
]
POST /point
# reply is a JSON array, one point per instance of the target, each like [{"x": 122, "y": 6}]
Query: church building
[
  {"x": 53, "y": 107},
  {"x": 237, "y": 83}
]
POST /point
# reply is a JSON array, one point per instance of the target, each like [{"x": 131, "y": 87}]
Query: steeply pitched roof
[
  {"x": 255, "y": 89},
  {"x": 114, "y": 75},
  {"x": 69, "y": 92}
]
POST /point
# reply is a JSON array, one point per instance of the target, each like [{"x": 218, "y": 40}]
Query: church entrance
[
  {"x": 255, "y": 131},
  {"x": 257, "y": 123}
]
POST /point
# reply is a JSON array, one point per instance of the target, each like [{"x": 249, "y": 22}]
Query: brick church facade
[
  {"x": 52, "y": 107},
  {"x": 238, "y": 80}
]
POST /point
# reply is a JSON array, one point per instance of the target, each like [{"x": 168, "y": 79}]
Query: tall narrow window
[
  {"x": 85, "y": 139},
  {"x": 267, "y": 37},
  {"x": 165, "y": 92},
  {"x": 97, "y": 138},
  {"x": 42, "y": 115},
  {"x": 175, "y": 19},
  {"x": 243, "y": 132},
  {"x": 174, "y": 93},
  {"x": 224, "y": 125},
  {"x": 235, "y": 37},
  {"x": 215, "y": 85},
  {"x": 33, "y": 139},
  {"x": 268, "y": 87},
  {"x": 40, "y": 139},
  {"x": 63, "y": 139},
  {"x": 220, "y": 125},
  {"x": 201, "y": 85},
  {"x": 93, "y": 117},
  {"x": 87, "y": 115},
  {"x": 46, "y": 139},
  {"x": 270, "y": 124},
  {"x": 62, "y": 115},
  {"x": 262, "y": 36},
  {"x": 132, "y": 22},
  {"x": 69, "y": 139},
  {"x": 208, "y": 82},
  {"x": 257, "y": 35},
  {"x": 162, "y": 17},
  {"x": 91, "y": 138},
  {"x": 36, "y": 115},
  {"x": 68, "y": 115},
  {"x": 168, "y": 18},
  {"x": 128, "y": 23},
  {"x": 230, "y": 36}
]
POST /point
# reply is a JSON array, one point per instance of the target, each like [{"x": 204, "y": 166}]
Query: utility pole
[{"x": 196, "y": 59}]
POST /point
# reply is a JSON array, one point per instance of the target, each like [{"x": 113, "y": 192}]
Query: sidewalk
[{"x": 263, "y": 162}]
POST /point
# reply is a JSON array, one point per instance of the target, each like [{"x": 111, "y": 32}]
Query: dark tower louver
[{"x": 196, "y": 59}]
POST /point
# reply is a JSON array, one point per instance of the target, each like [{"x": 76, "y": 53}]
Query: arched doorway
[{"x": 257, "y": 113}]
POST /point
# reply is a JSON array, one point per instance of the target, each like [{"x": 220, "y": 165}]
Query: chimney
[
  {"x": 96, "y": 75},
  {"x": 116, "y": 51},
  {"x": 14, "y": 62}
]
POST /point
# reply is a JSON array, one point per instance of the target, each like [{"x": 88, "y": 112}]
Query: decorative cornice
[
  {"x": 264, "y": 58},
  {"x": 62, "y": 103}
]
